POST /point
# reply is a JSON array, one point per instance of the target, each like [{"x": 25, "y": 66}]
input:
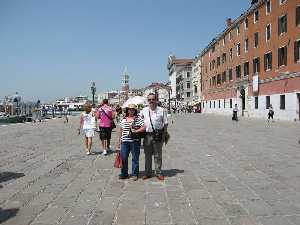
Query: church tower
[{"x": 125, "y": 81}]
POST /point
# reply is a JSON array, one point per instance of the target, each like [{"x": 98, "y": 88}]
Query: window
[
  {"x": 210, "y": 104},
  {"x": 246, "y": 45},
  {"x": 238, "y": 49},
  {"x": 268, "y": 32},
  {"x": 268, "y": 7},
  {"x": 238, "y": 71},
  {"x": 230, "y": 36},
  {"x": 213, "y": 48},
  {"x": 214, "y": 104},
  {"x": 282, "y": 101},
  {"x": 256, "y": 65},
  {"x": 268, "y": 102},
  {"x": 230, "y": 74},
  {"x": 281, "y": 2},
  {"x": 256, "y": 102},
  {"x": 297, "y": 51},
  {"x": 268, "y": 61},
  {"x": 298, "y": 16},
  {"x": 282, "y": 56},
  {"x": 282, "y": 25},
  {"x": 246, "y": 68},
  {"x": 219, "y": 104},
  {"x": 230, "y": 102},
  {"x": 219, "y": 79},
  {"x": 224, "y": 104},
  {"x": 224, "y": 77},
  {"x": 188, "y": 94},
  {"x": 256, "y": 40},
  {"x": 223, "y": 58},
  {"x": 214, "y": 80},
  {"x": 230, "y": 53},
  {"x": 224, "y": 41},
  {"x": 246, "y": 24},
  {"x": 256, "y": 15},
  {"x": 188, "y": 85},
  {"x": 188, "y": 75},
  {"x": 218, "y": 61},
  {"x": 238, "y": 30}
]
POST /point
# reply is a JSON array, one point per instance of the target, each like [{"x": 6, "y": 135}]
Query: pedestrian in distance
[
  {"x": 129, "y": 141},
  {"x": 105, "y": 116},
  {"x": 235, "y": 113},
  {"x": 66, "y": 115},
  {"x": 156, "y": 123},
  {"x": 271, "y": 113},
  {"x": 87, "y": 126}
]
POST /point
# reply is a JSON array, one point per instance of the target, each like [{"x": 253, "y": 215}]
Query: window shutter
[
  {"x": 265, "y": 62},
  {"x": 295, "y": 52},
  {"x": 278, "y": 54},
  {"x": 279, "y": 31},
  {"x": 271, "y": 60},
  {"x": 285, "y": 55}
]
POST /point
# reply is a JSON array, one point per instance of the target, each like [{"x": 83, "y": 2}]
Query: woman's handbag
[
  {"x": 118, "y": 160},
  {"x": 138, "y": 135}
]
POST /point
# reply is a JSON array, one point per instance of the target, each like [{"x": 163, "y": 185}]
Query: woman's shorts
[
  {"x": 88, "y": 132},
  {"x": 105, "y": 133}
]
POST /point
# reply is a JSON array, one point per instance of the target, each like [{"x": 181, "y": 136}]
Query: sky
[{"x": 55, "y": 48}]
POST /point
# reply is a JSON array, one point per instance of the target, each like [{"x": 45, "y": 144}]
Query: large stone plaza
[{"x": 218, "y": 172}]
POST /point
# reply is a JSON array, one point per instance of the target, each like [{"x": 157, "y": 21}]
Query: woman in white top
[{"x": 87, "y": 125}]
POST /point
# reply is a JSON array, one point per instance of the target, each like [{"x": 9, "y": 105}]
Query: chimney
[{"x": 228, "y": 22}]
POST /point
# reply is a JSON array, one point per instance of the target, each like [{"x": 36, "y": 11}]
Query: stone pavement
[{"x": 218, "y": 172}]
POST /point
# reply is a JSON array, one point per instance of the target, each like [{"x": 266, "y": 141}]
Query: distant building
[
  {"x": 196, "y": 81},
  {"x": 180, "y": 76},
  {"x": 160, "y": 90}
]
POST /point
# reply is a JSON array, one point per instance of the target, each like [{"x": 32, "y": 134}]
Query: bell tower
[{"x": 125, "y": 81}]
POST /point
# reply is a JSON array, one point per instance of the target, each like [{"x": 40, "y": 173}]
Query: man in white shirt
[{"x": 156, "y": 123}]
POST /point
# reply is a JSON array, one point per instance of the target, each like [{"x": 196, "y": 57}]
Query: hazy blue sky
[{"x": 57, "y": 47}]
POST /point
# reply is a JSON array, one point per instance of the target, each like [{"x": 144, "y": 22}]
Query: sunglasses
[{"x": 151, "y": 99}]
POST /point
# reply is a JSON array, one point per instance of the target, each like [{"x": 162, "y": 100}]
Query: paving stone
[{"x": 215, "y": 174}]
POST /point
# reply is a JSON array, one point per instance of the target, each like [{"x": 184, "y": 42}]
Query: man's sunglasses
[{"x": 151, "y": 99}]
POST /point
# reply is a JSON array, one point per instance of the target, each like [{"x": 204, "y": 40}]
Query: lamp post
[{"x": 93, "y": 89}]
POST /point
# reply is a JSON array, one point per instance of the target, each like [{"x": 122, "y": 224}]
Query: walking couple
[
  {"x": 151, "y": 125},
  {"x": 88, "y": 124}
]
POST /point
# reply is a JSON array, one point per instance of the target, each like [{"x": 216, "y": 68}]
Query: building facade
[
  {"x": 255, "y": 62},
  {"x": 161, "y": 91},
  {"x": 196, "y": 81},
  {"x": 180, "y": 76}
]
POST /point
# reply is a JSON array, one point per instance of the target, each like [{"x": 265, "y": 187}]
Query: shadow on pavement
[
  {"x": 6, "y": 176},
  {"x": 6, "y": 214},
  {"x": 166, "y": 173},
  {"x": 171, "y": 172}
]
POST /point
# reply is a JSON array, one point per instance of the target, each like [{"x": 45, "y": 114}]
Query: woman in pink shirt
[{"x": 105, "y": 116}]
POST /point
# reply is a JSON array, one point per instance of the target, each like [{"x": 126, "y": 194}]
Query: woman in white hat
[{"x": 129, "y": 140}]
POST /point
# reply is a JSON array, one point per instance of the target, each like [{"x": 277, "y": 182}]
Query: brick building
[{"x": 255, "y": 62}]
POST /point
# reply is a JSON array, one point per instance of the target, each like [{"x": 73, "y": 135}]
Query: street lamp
[{"x": 93, "y": 89}]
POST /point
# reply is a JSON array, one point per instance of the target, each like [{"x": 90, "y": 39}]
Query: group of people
[{"x": 149, "y": 124}]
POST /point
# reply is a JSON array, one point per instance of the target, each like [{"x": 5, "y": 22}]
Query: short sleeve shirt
[
  {"x": 158, "y": 117},
  {"x": 104, "y": 121},
  {"x": 125, "y": 125}
]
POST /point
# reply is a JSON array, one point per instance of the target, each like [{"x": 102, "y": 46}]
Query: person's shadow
[
  {"x": 6, "y": 214},
  {"x": 167, "y": 173},
  {"x": 6, "y": 176}
]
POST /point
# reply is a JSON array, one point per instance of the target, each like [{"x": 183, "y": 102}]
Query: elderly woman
[{"x": 129, "y": 140}]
